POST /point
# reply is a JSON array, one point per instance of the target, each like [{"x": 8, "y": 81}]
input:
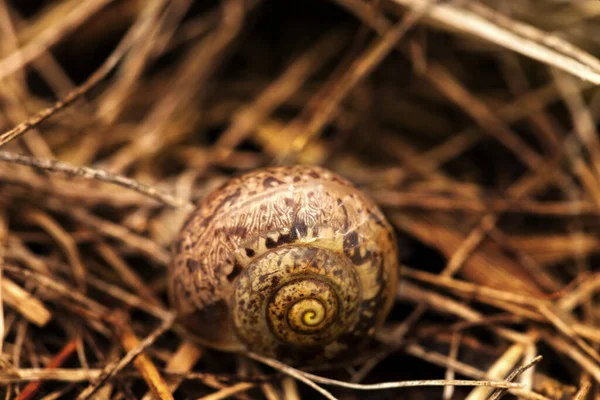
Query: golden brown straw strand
[
  {"x": 26, "y": 304},
  {"x": 290, "y": 388},
  {"x": 584, "y": 389},
  {"x": 49, "y": 374},
  {"x": 52, "y": 283},
  {"x": 142, "y": 362},
  {"x": 182, "y": 361},
  {"x": 228, "y": 391}
]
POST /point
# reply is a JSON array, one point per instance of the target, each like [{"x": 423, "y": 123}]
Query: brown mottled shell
[{"x": 291, "y": 262}]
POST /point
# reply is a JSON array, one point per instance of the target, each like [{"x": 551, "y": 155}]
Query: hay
[{"x": 472, "y": 123}]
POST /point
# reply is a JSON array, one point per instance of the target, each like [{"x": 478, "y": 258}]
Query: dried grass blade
[{"x": 465, "y": 20}]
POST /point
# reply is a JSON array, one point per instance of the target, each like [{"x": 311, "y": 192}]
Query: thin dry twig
[
  {"x": 377, "y": 386},
  {"x": 97, "y": 174},
  {"x": 514, "y": 376},
  {"x": 294, "y": 373}
]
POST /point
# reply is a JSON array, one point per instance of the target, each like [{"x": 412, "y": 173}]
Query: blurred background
[{"x": 473, "y": 124}]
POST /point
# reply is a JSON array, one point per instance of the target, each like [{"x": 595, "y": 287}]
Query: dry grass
[{"x": 472, "y": 123}]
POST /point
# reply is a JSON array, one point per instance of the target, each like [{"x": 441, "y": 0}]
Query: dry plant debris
[{"x": 474, "y": 124}]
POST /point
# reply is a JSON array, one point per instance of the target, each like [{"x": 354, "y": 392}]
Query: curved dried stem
[{"x": 97, "y": 174}]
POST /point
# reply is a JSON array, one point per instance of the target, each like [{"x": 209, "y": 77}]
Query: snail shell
[{"x": 290, "y": 262}]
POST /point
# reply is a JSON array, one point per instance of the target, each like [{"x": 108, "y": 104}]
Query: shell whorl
[
  {"x": 285, "y": 261},
  {"x": 304, "y": 297}
]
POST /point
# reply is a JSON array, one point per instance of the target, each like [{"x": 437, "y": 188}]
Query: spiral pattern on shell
[
  {"x": 310, "y": 295},
  {"x": 290, "y": 262}
]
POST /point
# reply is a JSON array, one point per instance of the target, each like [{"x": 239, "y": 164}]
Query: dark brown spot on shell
[
  {"x": 270, "y": 243},
  {"x": 357, "y": 259},
  {"x": 284, "y": 239},
  {"x": 313, "y": 174},
  {"x": 235, "y": 272},
  {"x": 352, "y": 249},
  {"x": 345, "y": 211},
  {"x": 249, "y": 252},
  {"x": 337, "y": 180},
  {"x": 271, "y": 182},
  {"x": 192, "y": 265},
  {"x": 350, "y": 241}
]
